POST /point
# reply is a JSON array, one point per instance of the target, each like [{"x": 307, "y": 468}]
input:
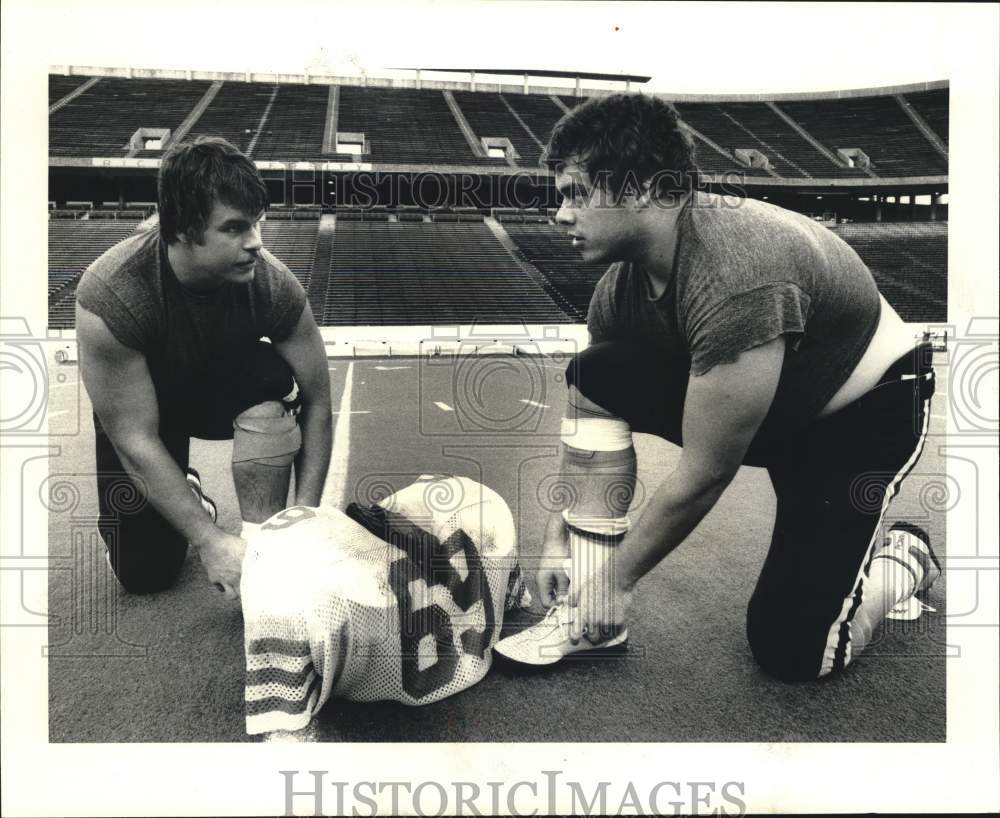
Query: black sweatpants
[
  {"x": 833, "y": 479},
  {"x": 146, "y": 552}
]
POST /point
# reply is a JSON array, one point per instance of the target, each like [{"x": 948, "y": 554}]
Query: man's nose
[
  {"x": 564, "y": 215},
  {"x": 253, "y": 242}
]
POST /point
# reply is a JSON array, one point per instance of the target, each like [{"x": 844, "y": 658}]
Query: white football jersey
[{"x": 408, "y": 613}]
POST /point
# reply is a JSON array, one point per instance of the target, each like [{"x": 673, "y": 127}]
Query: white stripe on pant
[{"x": 834, "y": 638}]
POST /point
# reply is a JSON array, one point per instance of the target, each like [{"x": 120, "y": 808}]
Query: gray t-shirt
[
  {"x": 185, "y": 335},
  {"x": 745, "y": 275}
]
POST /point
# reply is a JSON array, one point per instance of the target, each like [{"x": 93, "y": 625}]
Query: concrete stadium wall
[{"x": 418, "y": 341}]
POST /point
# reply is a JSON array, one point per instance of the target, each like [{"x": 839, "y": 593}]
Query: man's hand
[
  {"x": 598, "y": 607},
  {"x": 551, "y": 577},
  {"x": 222, "y": 557}
]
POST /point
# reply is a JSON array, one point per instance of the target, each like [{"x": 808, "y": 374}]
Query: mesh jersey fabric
[{"x": 403, "y": 601}]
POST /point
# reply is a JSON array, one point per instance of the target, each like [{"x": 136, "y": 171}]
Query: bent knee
[{"x": 795, "y": 644}]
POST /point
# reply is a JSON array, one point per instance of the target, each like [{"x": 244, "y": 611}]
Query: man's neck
[
  {"x": 656, "y": 254},
  {"x": 188, "y": 275}
]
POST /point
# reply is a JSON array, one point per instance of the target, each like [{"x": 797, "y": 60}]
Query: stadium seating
[
  {"x": 294, "y": 128},
  {"x": 294, "y": 242},
  {"x": 933, "y": 106},
  {"x": 73, "y": 246},
  {"x": 234, "y": 113},
  {"x": 910, "y": 263},
  {"x": 101, "y": 120},
  {"x": 488, "y": 116},
  {"x": 790, "y": 154},
  {"x": 548, "y": 249},
  {"x": 876, "y": 125},
  {"x": 403, "y": 125},
  {"x": 538, "y": 112},
  {"x": 709, "y": 120},
  {"x": 391, "y": 273},
  {"x": 60, "y": 86}
]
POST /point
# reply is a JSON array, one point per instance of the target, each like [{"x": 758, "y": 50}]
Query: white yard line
[
  {"x": 336, "y": 479},
  {"x": 444, "y": 407}
]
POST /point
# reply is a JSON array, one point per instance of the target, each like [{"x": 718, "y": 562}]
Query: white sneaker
[
  {"x": 546, "y": 642},
  {"x": 910, "y": 546}
]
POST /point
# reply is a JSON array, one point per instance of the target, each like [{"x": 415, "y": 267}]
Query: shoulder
[
  {"x": 131, "y": 258},
  {"x": 748, "y": 231},
  {"x": 274, "y": 264}
]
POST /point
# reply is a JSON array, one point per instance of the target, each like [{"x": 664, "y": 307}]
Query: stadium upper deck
[{"x": 882, "y": 134}]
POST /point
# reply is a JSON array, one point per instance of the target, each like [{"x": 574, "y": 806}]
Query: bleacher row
[
  {"x": 280, "y": 122},
  {"x": 397, "y": 272}
]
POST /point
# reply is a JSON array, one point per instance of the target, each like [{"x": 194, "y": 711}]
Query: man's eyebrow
[{"x": 235, "y": 221}]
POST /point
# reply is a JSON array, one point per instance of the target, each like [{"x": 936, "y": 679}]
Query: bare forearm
[
  {"x": 313, "y": 460},
  {"x": 674, "y": 511},
  {"x": 148, "y": 460}
]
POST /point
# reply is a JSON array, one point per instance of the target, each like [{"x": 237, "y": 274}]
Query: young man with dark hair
[
  {"x": 170, "y": 325},
  {"x": 746, "y": 334}
]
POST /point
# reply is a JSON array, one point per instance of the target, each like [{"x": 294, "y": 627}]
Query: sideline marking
[
  {"x": 336, "y": 479},
  {"x": 535, "y": 403},
  {"x": 444, "y": 407}
]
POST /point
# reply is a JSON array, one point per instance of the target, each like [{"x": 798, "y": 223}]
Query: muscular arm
[
  {"x": 306, "y": 355},
  {"x": 723, "y": 410},
  {"x": 120, "y": 387}
]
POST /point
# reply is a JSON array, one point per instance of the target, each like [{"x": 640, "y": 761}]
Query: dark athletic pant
[
  {"x": 833, "y": 480},
  {"x": 146, "y": 552}
]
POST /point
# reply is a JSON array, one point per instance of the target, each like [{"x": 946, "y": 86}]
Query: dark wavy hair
[
  {"x": 623, "y": 139},
  {"x": 194, "y": 175}
]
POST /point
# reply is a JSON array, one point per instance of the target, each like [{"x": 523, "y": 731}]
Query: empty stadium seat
[
  {"x": 402, "y": 273},
  {"x": 910, "y": 263},
  {"x": 102, "y": 120}
]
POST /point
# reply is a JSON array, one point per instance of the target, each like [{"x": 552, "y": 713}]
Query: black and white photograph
[{"x": 499, "y": 408}]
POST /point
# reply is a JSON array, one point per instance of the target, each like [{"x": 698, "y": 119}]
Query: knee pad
[
  {"x": 266, "y": 434},
  {"x": 598, "y": 463}
]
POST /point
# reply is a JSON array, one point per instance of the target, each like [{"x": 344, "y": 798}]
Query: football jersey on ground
[{"x": 401, "y": 601}]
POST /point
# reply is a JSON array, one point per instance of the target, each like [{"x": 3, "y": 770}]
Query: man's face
[
  {"x": 229, "y": 248},
  {"x": 602, "y": 230}
]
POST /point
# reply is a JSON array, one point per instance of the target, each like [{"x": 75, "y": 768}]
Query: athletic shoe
[
  {"x": 194, "y": 483},
  {"x": 547, "y": 641},
  {"x": 908, "y": 544}
]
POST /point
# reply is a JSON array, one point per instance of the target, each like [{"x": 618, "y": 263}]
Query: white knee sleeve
[{"x": 266, "y": 434}]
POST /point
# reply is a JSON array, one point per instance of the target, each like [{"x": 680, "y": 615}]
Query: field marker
[
  {"x": 336, "y": 479},
  {"x": 444, "y": 407},
  {"x": 535, "y": 403},
  {"x": 389, "y": 368}
]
